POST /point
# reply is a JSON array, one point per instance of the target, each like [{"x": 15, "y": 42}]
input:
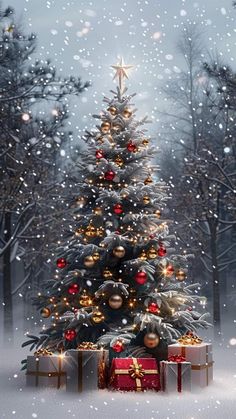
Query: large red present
[{"x": 134, "y": 374}]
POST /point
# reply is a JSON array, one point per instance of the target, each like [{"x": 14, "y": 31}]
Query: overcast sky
[{"x": 85, "y": 38}]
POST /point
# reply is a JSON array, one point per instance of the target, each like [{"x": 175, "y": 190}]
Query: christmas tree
[{"x": 119, "y": 281}]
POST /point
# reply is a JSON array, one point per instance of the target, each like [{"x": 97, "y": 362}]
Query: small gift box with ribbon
[
  {"x": 134, "y": 374},
  {"x": 86, "y": 368},
  {"x": 45, "y": 369},
  {"x": 175, "y": 374},
  {"x": 199, "y": 354}
]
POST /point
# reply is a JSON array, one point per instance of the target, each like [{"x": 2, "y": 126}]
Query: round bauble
[
  {"x": 107, "y": 273},
  {"x": 61, "y": 263},
  {"x": 96, "y": 256},
  {"x": 97, "y": 316},
  {"x": 180, "y": 274},
  {"x": 146, "y": 200},
  {"x": 118, "y": 346},
  {"x": 119, "y": 251},
  {"x": 131, "y": 147},
  {"x": 151, "y": 340},
  {"x": 127, "y": 113},
  {"x": 143, "y": 255},
  {"x": 161, "y": 251},
  {"x": 45, "y": 312},
  {"x": 153, "y": 308},
  {"x": 109, "y": 175},
  {"x": 158, "y": 213},
  {"x": 89, "y": 261},
  {"x": 73, "y": 289},
  {"x": 141, "y": 277},
  {"x": 112, "y": 110},
  {"x": 85, "y": 300},
  {"x": 118, "y": 209},
  {"x": 115, "y": 301},
  {"x": 169, "y": 270},
  {"x": 70, "y": 334},
  {"x": 152, "y": 253},
  {"x": 105, "y": 127},
  {"x": 99, "y": 154}
]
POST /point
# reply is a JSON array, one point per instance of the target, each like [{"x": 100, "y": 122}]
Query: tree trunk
[
  {"x": 7, "y": 289},
  {"x": 215, "y": 280}
]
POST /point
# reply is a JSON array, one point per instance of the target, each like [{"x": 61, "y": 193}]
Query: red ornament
[
  {"x": 118, "y": 346},
  {"x": 152, "y": 236},
  {"x": 140, "y": 277},
  {"x": 73, "y": 289},
  {"x": 169, "y": 270},
  {"x": 190, "y": 308},
  {"x": 99, "y": 154},
  {"x": 153, "y": 308},
  {"x": 131, "y": 147},
  {"x": 161, "y": 251},
  {"x": 70, "y": 334},
  {"x": 109, "y": 175},
  {"x": 118, "y": 209},
  {"x": 61, "y": 263}
]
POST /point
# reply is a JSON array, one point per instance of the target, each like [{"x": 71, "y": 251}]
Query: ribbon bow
[
  {"x": 190, "y": 339},
  {"x": 43, "y": 352},
  {"x": 90, "y": 346},
  {"x": 176, "y": 358},
  {"x": 136, "y": 371}
]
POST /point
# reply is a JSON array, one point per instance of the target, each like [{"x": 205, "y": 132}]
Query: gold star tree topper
[{"x": 121, "y": 72}]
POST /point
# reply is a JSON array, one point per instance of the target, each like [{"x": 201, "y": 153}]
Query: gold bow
[
  {"x": 136, "y": 371},
  {"x": 89, "y": 346},
  {"x": 190, "y": 339},
  {"x": 43, "y": 352}
]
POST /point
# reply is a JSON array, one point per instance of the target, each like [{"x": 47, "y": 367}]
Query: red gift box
[{"x": 134, "y": 374}]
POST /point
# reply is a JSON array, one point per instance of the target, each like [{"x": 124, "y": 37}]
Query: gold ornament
[
  {"x": 87, "y": 346},
  {"x": 119, "y": 252},
  {"x": 151, "y": 340},
  {"x": 112, "y": 110},
  {"x": 145, "y": 142},
  {"x": 143, "y": 255},
  {"x": 148, "y": 180},
  {"x": 180, "y": 275},
  {"x": 132, "y": 303},
  {"x": 43, "y": 352},
  {"x": 146, "y": 199},
  {"x": 115, "y": 301},
  {"x": 85, "y": 300},
  {"x": 96, "y": 256},
  {"x": 89, "y": 261},
  {"x": 97, "y": 210},
  {"x": 80, "y": 201},
  {"x": 158, "y": 213},
  {"x": 105, "y": 127},
  {"x": 152, "y": 253},
  {"x": 90, "y": 231},
  {"x": 107, "y": 273},
  {"x": 97, "y": 316},
  {"x": 119, "y": 161},
  {"x": 127, "y": 113},
  {"x": 45, "y": 312}
]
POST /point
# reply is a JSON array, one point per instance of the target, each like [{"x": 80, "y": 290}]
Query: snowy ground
[{"x": 216, "y": 401}]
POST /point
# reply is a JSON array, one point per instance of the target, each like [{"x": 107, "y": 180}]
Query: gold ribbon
[
  {"x": 43, "y": 352},
  {"x": 189, "y": 340},
  {"x": 38, "y": 373},
  {"x": 89, "y": 346},
  {"x": 136, "y": 372}
]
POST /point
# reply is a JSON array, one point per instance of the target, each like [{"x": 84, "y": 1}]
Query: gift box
[
  {"x": 134, "y": 374},
  {"x": 45, "y": 370},
  {"x": 86, "y": 369},
  {"x": 175, "y": 374},
  {"x": 200, "y": 356}
]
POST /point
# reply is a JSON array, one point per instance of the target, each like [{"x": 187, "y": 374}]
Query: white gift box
[
  {"x": 47, "y": 371},
  {"x": 200, "y": 356},
  {"x": 175, "y": 376},
  {"x": 86, "y": 369}
]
